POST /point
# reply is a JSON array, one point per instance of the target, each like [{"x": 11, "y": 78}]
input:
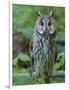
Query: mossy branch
[{"x": 59, "y": 73}]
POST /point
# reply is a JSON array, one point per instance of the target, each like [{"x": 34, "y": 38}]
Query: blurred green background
[{"x": 23, "y": 22}]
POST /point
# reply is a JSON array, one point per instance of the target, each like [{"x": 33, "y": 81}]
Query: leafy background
[{"x": 24, "y": 18}]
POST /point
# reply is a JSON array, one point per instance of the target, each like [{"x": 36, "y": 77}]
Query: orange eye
[
  {"x": 42, "y": 23},
  {"x": 49, "y": 23}
]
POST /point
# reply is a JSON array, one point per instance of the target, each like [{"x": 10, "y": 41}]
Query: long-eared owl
[{"x": 43, "y": 48}]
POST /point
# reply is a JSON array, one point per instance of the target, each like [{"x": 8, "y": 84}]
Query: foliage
[
  {"x": 22, "y": 57},
  {"x": 21, "y": 76},
  {"x": 60, "y": 62}
]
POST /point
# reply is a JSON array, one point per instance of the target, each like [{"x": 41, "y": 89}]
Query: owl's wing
[
  {"x": 31, "y": 52},
  {"x": 56, "y": 53},
  {"x": 31, "y": 47}
]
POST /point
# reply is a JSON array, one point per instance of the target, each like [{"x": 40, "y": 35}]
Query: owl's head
[{"x": 46, "y": 23}]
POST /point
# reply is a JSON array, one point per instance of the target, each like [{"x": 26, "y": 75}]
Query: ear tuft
[
  {"x": 38, "y": 13},
  {"x": 51, "y": 14}
]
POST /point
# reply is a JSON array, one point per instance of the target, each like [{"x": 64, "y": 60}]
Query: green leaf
[
  {"x": 41, "y": 80},
  {"x": 22, "y": 57},
  {"x": 15, "y": 60},
  {"x": 56, "y": 66},
  {"x": 60, "y": 62},
  {"x": 61, "y": 56}
]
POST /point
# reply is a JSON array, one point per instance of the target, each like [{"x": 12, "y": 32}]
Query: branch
[{"x": 58, "y": 73}]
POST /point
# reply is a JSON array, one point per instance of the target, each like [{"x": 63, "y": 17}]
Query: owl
[{"x": 43, "y": 48}]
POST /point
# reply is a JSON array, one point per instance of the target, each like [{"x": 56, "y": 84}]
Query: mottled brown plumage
[{"x": 43, "y": 48}]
